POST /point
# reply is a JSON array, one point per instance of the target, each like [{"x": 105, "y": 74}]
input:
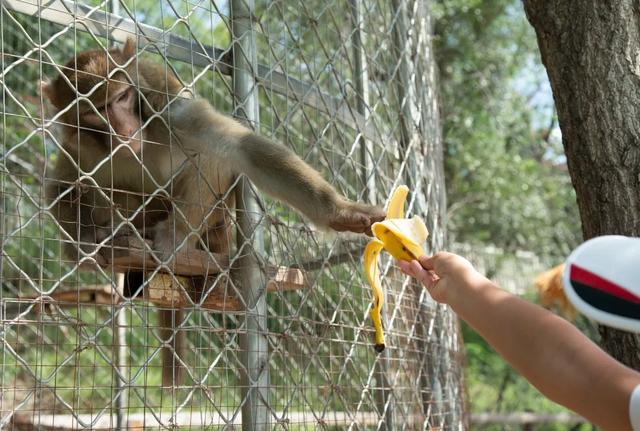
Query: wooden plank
[
  {"x": 283, "y": 279},
  {"x": 179, "y": 284},
  {"x": 175, "y": 291},
  {"x": 170, "y": 291},
  {"x": 61, "y": 422},
  {"x": 89, "y": 295},
  {"x": 129, "y": 253}
]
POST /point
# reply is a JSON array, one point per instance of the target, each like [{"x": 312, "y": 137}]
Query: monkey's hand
[
  {"x": 116, "y": 243},
  {"x": 169, "y": 239},
  {"x": 355, "y": 217}
]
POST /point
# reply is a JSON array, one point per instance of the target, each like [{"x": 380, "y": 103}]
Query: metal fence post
[
  {"x": 121, "y": 354},
  {"x": 361, "y": 81},
  {"x": 405, "y": 87},
  {"x": 120, "y": 338},
  {"x": 253, "y": 342},
  {"x": 384, "y": 395},
  {"x": 412, "y": 143}
]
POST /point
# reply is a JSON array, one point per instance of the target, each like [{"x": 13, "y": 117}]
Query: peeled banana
[{"x": 402, "y": 238}]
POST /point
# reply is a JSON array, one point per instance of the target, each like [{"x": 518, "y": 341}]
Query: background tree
[
  {"x": 507, "y": 183},
  {"x": 591, "y": 50}
]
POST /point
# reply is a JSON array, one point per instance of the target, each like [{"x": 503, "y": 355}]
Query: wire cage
[{"x": 273, "y": 332}]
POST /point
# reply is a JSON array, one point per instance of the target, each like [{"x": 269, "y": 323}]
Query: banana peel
[{"x": 402, "y": 238}]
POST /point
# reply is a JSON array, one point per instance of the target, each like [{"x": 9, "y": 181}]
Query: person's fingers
[
  {"x": 433, "y": 278},
  {"x": 427, "y": 262},
  {"x": 404, "y": 267},
  {"x": 414, "y": 269},
  {"x": 411, "y": 268},
  {"x": 420, "y": 273}
]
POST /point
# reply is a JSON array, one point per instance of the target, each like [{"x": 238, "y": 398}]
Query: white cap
[{"x": 602, "y": 280}]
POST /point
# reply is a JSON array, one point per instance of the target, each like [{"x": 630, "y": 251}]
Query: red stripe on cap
[{"x": 581, "y": 275}]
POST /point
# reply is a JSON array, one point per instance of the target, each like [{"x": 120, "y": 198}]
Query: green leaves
[{"x": 506, "y": 180}]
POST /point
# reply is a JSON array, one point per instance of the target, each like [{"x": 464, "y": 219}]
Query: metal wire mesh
[{"x": 349, "y": 86}]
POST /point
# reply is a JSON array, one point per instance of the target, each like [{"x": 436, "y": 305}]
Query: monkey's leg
[
  {"x": 219, "y": 235},
  {"x": 168, "y": 322},
  {"x": 197, "y": 207}
]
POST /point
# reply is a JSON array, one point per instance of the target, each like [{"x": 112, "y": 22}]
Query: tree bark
[{"x": 591, "y": 50}]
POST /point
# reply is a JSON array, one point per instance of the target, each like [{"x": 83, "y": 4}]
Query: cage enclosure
[{"x": 273, "y": 330}]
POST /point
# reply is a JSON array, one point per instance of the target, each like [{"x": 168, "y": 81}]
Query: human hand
[{"x": 446, "y": 276}]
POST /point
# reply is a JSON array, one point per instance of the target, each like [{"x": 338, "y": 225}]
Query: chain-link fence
[{"x": 271, "y": 331}]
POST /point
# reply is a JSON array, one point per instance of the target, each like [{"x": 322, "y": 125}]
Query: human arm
[{"x": 548, "y": 351}]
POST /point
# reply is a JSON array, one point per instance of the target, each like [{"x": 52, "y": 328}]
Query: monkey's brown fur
[{"x": 152, "y": 156}]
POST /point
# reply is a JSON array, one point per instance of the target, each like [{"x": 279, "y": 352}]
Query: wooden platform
[
  {"x": 130, "y": 254},
  {"x": 194, "y": 278},
  {"x": 168, "y": 291}
]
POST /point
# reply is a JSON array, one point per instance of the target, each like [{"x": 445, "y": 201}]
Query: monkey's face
[
  {"x": 119, "y": 118},
  {"x": 97, "y": 93}
]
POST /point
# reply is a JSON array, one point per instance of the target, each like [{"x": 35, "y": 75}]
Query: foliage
[
  {"x": 506, "y": 180},
  {"x": 493, "y": 386},
  {"x": 507, "y": 183}
]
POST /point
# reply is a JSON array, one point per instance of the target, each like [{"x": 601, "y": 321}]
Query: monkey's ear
[
  {"x": 129, "y": 48},
  {"x": 45, "y": 88}
]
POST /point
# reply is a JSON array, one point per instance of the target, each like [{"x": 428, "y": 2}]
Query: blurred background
[{"x": 511, "y": 206}]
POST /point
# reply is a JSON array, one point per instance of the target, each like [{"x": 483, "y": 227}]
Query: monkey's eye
[{"x": 124, "y": 96}]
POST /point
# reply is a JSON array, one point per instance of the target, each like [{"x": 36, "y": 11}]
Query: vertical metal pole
[
  {"x": 405, "y": 87},
  {"x": 253, "y": 342},
  {"x": 121, "y": 325},
  {"x": 383, "y": 396},
  {"x": 115, "y": 7},
  {"x": 361, "y": 79},
  {"x": 409, "y": 129},
  {"x": 121, "y": 351}
]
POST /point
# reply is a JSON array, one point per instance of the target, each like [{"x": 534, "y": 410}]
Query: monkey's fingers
[
  {"x": 350, "y": 222},
  {"x": 356, "y": 218},
  {"x": 101, "y": 261},
  {"x": 377, "y": 215}
]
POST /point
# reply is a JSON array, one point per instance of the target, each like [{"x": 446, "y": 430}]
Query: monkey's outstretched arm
[
  {"x": 281, "y": 173},
  {"x": 271, "y": 166}
]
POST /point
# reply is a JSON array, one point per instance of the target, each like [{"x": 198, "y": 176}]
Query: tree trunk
[{"x": 591, "y": 49}]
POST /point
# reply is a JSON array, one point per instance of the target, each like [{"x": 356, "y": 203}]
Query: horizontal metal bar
[
  {"x": 309, "y": 95},
  {"x": 117, "y": 28}
]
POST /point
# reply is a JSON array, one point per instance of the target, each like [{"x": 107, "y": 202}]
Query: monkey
[{"x": 138, "y": 151}]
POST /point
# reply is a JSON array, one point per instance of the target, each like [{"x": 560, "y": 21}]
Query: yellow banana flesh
[
  {"x": 402, "y": 239},
  {"x": 396, "y": 203}
]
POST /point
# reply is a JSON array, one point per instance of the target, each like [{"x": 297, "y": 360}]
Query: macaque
[{"x": 153, "y": 158}]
